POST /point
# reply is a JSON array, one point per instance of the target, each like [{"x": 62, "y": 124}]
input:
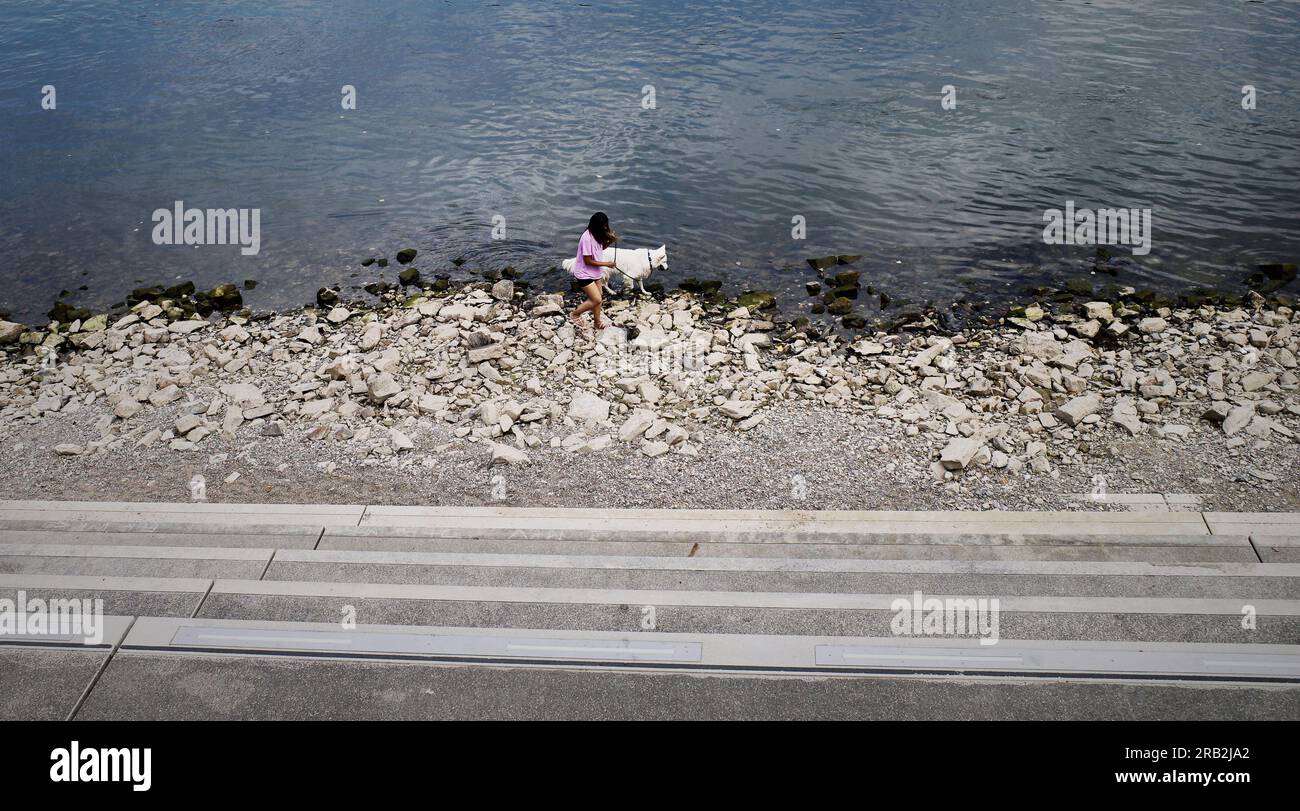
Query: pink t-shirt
[{"x": 588, "y": 246}]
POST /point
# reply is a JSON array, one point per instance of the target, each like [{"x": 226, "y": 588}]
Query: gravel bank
[{"x": 487, "y": 397}]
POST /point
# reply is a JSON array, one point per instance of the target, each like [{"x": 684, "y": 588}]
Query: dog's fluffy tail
[{"x": 568, "y": 264}]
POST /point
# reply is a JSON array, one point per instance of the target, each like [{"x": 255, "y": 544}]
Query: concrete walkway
[{"x": 309, "y": 611}]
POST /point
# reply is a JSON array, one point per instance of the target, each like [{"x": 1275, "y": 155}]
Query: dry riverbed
[{"x": 485, "y": 396}]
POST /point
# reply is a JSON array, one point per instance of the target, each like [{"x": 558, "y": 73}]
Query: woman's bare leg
[
  {"x": 594, "y": 294},
  {"x": 592, "y": 303}
]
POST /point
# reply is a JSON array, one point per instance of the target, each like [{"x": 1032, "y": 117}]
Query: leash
[{"x": 649, "y": 261}]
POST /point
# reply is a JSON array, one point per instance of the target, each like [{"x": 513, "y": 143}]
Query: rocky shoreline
[{"x": 485, "y": 394}]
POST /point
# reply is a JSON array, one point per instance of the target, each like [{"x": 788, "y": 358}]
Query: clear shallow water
[{"x": 532, "y": 111}]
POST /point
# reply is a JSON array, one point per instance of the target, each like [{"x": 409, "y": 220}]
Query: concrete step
[
  {"x": 627, "y": 524},
  {"x": 898, "y": 546},
  {"x": 766, "y": 653},
  {"x": 756, "y": 526},
  {"x": 1277, "y": 548},
  {"x": 142, "y": 684},
  {"x": 991, "y": 578},
  {"x": 167, "y": 533},
  {"x": 134, "y": 561},
  {"x": 1254, "y": 524},
  {"x": 173, "y": 668},
  {"x": 965, "y": 545},
  {"x": 135, "y": 596},
  {"x": 1139, "y": 619},
  {"x": 302, "y": 515},
  {"x": 790, "y": 613},
  {"x": 1023, "y": 617}
]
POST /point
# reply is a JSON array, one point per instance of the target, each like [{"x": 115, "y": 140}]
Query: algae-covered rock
[
  {"x": 757, "y": 300},
  {"x": 66, "y": 313},
  {"x": 847, "y": 278},
  {"x": 226, "y": 297}
]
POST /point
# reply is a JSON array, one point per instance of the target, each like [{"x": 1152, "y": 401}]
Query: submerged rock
[
  {"x": 757, "y": 300},
  {"x": 226, "y": 297},
  {"x": 66, "y": 313},
  {"x": 700, "y": 286}
]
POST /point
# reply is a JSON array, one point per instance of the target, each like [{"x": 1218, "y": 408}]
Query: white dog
[{"x": 634, "y": 264}]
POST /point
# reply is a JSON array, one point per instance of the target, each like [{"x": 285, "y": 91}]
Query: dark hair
[{"x": 598, "y": 225}]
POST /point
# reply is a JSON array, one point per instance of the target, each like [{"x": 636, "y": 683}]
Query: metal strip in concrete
[
  {"x": 870, "y": 602},
  {"x": 1078, "y": 658},
  {"x": 1108, "y": 568},
  {"x": 114, "y": 629},
  {"x": 420, "y": 643},
  {"x": 725, "y": 651}
]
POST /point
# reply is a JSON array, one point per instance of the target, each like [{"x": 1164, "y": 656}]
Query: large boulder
[
  {"x": 1074, "y": 411},
  {"x": 738, "y": 409},
  {"x": 506, "y": 455},
  {"x": 958, "y": 453},
  {"x": 382, "y": 387},
  {"x": 637, "y": 423},
  {"x": 587, "y": 407},
  {"x": 9, "y": 332}
]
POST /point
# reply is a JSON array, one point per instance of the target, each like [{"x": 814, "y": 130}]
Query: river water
[{"x": 491, "y": 132}]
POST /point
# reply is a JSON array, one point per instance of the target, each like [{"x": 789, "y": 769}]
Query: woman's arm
[{"x": 591, "y": 260}]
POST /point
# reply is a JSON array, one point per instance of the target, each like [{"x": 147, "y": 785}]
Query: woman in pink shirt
[{"x": 591, "y": 251}]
